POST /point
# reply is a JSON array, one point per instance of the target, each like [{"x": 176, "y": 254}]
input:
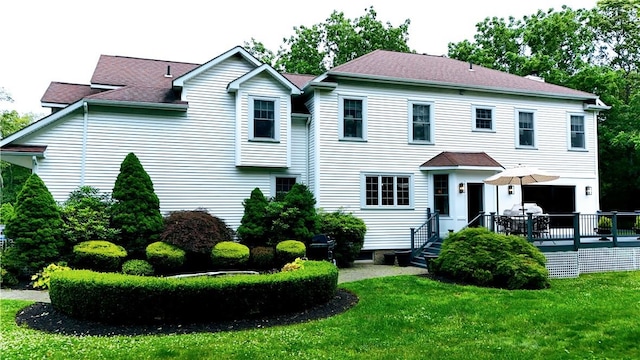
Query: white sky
[{"x": 61, "y": 40}]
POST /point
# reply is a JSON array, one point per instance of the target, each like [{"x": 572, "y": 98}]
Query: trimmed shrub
[
  {"x": 262, "y": 257},
  {"x": 126, "y": 299},
  {"x": 165, "y": 257},
  {"x": 252, "y": 226},
  {"x": 478, "y": 256},
  {"x": 98, "y": 255},
  {"x": 34, "y": 228},
  {"x": 42, "y": 279},
  {"x": 85, "y": 216},
  {"x": 137, "y": 267},
  {"x": 136, "y": 210},
  {"x": 287, "y": 251},
  {"x": 348, "y": 231},
  {"x": 196, "y": 232},
  {"x": 229, "y": 255}
]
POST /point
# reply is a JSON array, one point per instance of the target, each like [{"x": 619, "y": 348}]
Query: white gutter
[{"x": 138, "y": 105}]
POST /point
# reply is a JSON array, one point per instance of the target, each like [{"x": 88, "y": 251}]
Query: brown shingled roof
[
  {"x": 121, "y": 71},
  {"x": 139, "y": 94},
  {"x": 65, "y": 93},
  {"x": 443, "y": 71},
  {"x": 451, "y": 159},
  {"x": 26, "y": 149},
  {"x": 299, "y": 80}
]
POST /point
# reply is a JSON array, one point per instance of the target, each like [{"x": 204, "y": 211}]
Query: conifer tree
[
  {"x": 136, "y": 210},
  {"x": 252, "y": 229},
  {"x": 35, "y": 229}
]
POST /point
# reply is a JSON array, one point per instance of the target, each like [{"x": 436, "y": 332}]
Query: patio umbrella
[{"x": 520, "y": 175}]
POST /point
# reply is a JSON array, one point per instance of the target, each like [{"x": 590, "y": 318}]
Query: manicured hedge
[
  {"x": 98, "y": 255},
  {"x": 119, "y": 298},
  {"x": 165, "y": 257},
  {"x": 288, "y": 250},
  {"x": 229, "y": 255}
]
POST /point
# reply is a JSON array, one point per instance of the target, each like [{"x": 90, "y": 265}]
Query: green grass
[{"x": 592, "y": 317}]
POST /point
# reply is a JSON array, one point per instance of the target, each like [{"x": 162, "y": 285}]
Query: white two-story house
[{"x": 386, "y": 137}]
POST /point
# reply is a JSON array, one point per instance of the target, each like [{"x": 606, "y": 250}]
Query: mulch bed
[{"x": 43, "y": 317}]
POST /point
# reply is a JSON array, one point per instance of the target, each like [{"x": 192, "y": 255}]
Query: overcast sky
[{"x": 61, "y": 40}]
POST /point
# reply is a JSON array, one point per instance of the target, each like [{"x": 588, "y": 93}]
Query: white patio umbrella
[{"x": 520, "y": 175}]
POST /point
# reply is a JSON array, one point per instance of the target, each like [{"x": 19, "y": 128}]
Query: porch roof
[
  {"x": 449, "y": 160},
  {"x": 25, "y": 150}
]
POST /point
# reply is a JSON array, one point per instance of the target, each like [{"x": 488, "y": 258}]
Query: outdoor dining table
[{"x": 517, "y": 224}]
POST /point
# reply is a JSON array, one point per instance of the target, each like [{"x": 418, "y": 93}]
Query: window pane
[
  {"x": 352, "y": 118},
  {"x": 402, "y": 184},
  {"x": 441, "y": 193},
  {"x": 483, "y": 118},
  {"x": 371, "y": 190},
  {"x": 421, "y": 122},
  {"x": 264, "y": 119},
  {"x": 577, "y": 132},
  {"x": 387, "y": 190},
  {"x": 525, "y": 128},
  {"x": 284, "y": 184}
]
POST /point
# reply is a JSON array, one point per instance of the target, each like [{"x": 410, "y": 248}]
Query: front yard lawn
[{"x": 595, "y": 316}]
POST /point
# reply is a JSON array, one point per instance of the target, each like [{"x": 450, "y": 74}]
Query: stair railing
[{"x": 426, "y": 234}]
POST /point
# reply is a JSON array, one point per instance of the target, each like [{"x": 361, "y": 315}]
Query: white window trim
[
  {"x": 276, "y": 120},
  {"x": 272, "y": 193},
  {"x": 584, "y": 124},
  {"x": 473, "y": 117},
  {"x": 341, "y": 100},
  {"x": 410, "y": 121},
  {"x": 517, "y": 128},
  {"x": 363, "y": 191}
]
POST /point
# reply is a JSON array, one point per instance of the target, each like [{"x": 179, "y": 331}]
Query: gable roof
[
  {"x": 235, "y": 84},
  {"x": 383, "y": 65},
  {"x": 457, "y": 160},
  {"x": 63, "y": 94},
  {"x": 122, "y": 71},
  {"x": 299, "y": 80}
]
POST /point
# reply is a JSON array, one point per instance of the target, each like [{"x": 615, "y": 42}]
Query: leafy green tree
[
  {"x": 348, "y": 231},
  {"x": 34, "y": 228},
  {"x": 136, "y": 210},
  {"x": 13, "y": 176},
  {"x": 252, "y": 227},
  {"x": 315, "y": 49}
]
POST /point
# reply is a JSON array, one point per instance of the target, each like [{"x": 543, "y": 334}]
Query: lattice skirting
[{"x": 573, "y": 263}]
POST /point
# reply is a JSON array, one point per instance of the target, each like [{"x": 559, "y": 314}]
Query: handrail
[{"x": 426, "y": 234}]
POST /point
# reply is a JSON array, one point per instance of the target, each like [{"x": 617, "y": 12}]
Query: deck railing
[{"x": 562, "y": 232}]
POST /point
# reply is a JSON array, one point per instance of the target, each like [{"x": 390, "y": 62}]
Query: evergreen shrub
[
  {"x": 287, "y": 251},
  {"x": 98, "y": 255},
  {"x": 348, "y": 231},
  {"x": 165, "y": 257},
  {"x": 253, "y": 227},
  {"x": 230, "y": 255},
  {"x": 480, "y": 257},
  {"x": 137, "y": 267}
]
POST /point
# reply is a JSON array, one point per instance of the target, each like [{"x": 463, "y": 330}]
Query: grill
[{"x": 321, "y": 248}]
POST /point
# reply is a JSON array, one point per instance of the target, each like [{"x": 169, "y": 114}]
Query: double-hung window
[
  {"x": 441, "y": 193},
  {"x": 483, "y": 118},
  {"x": 526, "y": 128},
  {"x": 420, "y": 122},
  {"x": 576, "y": 129},
  {"x": 353, "y": 118},
  {"x": 386, "y": 191},
  {"x": 263, "y": 119}
]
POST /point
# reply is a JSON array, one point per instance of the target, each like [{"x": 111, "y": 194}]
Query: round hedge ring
[{"x": 127, "y": 299}]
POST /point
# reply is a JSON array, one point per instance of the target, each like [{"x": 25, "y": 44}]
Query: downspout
[
  {"x": 307, "y": 132},
  {"x": 83, "y": 158},
  {"x": 34, "y": 165}
]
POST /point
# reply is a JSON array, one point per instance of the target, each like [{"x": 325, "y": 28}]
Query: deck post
[
  {"x": 614, "y": 227},
  {"x": 576, "y": 231},
  {"x": 492, "y": 226},
  {"x": 530, "y": 227},
  {"x": 481, "y": 218},
  {"x": 413, "y": 239}
]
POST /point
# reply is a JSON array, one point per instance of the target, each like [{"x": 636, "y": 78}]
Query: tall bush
[
  {"x": 136, "y": 210},
  {"x": 348, "y": 231},
  {"x": 252, "y": 229},
  {"x": 34, "y": 228},
  {"x": 85, "y": 216},
  {"x": 294, "y": 217}
]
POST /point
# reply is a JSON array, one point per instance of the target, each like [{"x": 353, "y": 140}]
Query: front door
[{"x": 475, "y": 202}]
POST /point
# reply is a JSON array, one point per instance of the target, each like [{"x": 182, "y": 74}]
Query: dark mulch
[{"x": 42, "y": 316}]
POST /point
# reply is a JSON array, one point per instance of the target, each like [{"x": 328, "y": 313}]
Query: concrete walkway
[{"x": 360, "y": 270}]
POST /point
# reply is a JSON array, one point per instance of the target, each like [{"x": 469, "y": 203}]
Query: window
[
  {"x": 525, "y": 129},
  {"x": 387, "y": 190},
  {"x": 353, "y": 122},
  {"x": 263, "y": 119},
  {"x": 483, "y": 118},
  {"x": 577, "y": 132},
  {"x": 441, "y": 193},
  {"x": 283, "y": 185},
  {"x": 420, "y": 126}
]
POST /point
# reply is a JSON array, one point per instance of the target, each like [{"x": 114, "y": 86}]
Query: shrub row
[{"x": 119, "y": 298}]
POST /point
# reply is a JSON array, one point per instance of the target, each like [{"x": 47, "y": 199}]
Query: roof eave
[
  {"x": 452, "y": 86},
  {"x": 461, "y": 167},
  {"x": 139, "y": 104},
  {"x": 179, "y": 81},
  {"x": 53, "y": 105},
  {"x": 235, "y": 84}
]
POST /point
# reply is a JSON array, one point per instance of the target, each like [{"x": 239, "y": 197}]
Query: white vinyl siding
[
  {"x": 352, "y": 120},
  {"x": 577, "y": 138},
  {"x": 421, "y": 122},
  {"x": 526, "y": 128}
]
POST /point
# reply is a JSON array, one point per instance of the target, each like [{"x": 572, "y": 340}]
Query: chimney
[
  {"x": 470, "y": 66},
  {"x": 168, "y": 74}
]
